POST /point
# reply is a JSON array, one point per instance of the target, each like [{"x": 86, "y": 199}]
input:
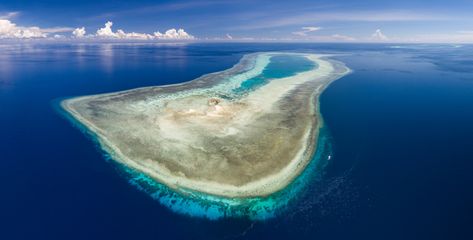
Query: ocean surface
[{"x": 399, "y": 129}]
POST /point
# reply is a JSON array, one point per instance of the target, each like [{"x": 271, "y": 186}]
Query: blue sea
[{"x": 399, "y": 129}]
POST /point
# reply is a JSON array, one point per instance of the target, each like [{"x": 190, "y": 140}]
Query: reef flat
[{"x": 244, "y": 132}]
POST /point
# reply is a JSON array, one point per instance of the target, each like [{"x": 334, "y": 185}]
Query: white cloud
[
  {"x": 304, "y": 30},
  {"x": 378, "y": 36},
  {"x": 9, "y": 29},
  {"x": 228, "y": 36},
  {"x": 106, "y": 31},
  {"x": 140, "y": 36},
  {"x": 174, "y": 34},
  {"x": 171, "y": 34},
  {"x": 59, "y": 36},
  {"x": 79, "y": 32}
]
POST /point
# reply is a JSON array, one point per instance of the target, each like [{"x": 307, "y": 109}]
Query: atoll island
[{"x": 244, "y": 132}]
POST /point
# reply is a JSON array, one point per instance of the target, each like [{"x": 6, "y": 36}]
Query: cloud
[
  {"x": 303, "y": 35},
  {"x": 324, "y": 38},
  {"x": 56, "y": 30},
  {"x": 10, "y": 30},
  {"x": 340, "y": 37},
  {"x": 306, "y": 30},
  {"x": 228, "y": 36},
  {"x": 106, "y": 31},
  {"x": 59, "y": 36},
  {"x": 170, "y": 34},
  {"x": 309, "y": 17},
  {"x": 79, "y": 32},
  {"x": 378, "y": 36},
  {"x": 139, "y": 36},
  {"x": 174, "y": 34},
  {"x": 8, "y": 15}
]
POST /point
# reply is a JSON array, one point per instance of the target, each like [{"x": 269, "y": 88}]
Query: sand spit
[{"x": 201, "y": 136}]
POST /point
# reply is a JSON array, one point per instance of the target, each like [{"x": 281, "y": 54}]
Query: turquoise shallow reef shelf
[{"x": 279, "y": 67}]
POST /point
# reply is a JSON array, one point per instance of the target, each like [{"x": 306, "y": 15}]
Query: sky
[{"x": 225, "y": 20}]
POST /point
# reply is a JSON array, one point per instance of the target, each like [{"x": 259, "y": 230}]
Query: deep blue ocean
[{"x": 401, "y": 128}]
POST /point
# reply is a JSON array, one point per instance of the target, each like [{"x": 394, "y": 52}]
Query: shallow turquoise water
[{"x": 280, "y": 66}]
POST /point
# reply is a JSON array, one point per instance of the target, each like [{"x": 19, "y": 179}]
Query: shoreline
[{"x": 262, "y": 187}]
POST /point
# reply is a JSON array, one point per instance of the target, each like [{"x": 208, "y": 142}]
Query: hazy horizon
[{"x": 240, "y": 21}]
